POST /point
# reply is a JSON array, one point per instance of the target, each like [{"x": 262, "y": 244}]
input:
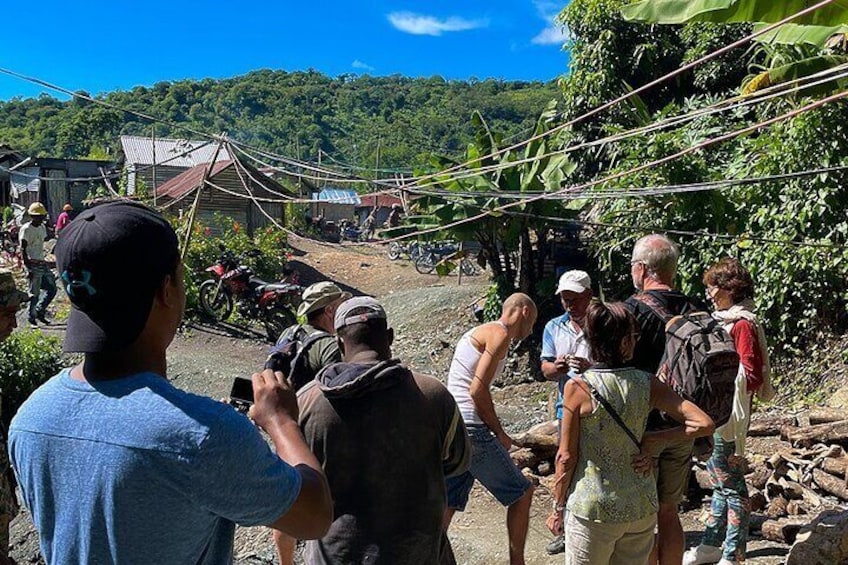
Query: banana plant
[
  {"x": 506, "y": 236},
  {"x": 819, "y": 28}
]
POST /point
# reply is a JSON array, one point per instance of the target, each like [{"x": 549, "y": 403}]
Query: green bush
[
  {"x": 27, "y": 360},
  {"x": 205, "y": 248}
]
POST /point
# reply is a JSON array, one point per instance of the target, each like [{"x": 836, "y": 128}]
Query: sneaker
[
  {"x": 702, "y": 554},
  {"x": 42, "y": 317},
  {"x": 32, "y": 321},
  {"x": 556, "y": 546}
]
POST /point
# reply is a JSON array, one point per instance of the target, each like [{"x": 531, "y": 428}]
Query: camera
[{"x": 241, "y": 395}]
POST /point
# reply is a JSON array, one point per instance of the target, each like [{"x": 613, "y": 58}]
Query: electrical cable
[{"x": 707, "y": 143}]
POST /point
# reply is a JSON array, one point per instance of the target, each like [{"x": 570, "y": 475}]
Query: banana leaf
[
  {"x": 793, "y": 34},
  {"x": 800, "y": 69},
  {"x": 730, "y": 11}
]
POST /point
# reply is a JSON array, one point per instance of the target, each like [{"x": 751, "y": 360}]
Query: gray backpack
[{"x": 700, "y": 361}]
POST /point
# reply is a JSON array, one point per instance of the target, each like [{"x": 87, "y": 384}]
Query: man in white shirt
[
  {"x": 39, "y": 271},
  {"x": 564, "y": 347}
]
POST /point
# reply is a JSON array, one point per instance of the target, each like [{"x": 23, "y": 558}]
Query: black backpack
[
  {"x": 700, "y": 361},
  {"x": 289, "y": 356}
]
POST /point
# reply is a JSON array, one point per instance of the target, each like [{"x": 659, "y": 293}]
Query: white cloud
[
  {"x": 419, "y": 24},
  {"x": 357, "y": 64},
  {"x": 553, "y": 35}
]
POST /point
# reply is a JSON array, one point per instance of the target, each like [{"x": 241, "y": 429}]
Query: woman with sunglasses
[
  {"x": 602, "y": 478},
  {"x": 731, "y": 290}
]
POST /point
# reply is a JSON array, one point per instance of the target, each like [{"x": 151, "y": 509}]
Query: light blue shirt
[
  {"x": 560, "y": 338},
  {"x": 137, "y": 471}
]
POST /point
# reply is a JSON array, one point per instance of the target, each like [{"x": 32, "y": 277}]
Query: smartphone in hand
[{"x": 241, "y": 395}]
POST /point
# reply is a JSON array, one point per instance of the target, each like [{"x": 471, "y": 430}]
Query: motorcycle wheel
[
  {"x": 394, "y": 251},
  {"x": 217, "y": 303},
  {"x": 426, "y": 263},
  {"x": 468, "y": 268},
  {"x": 276, "y": 321}
]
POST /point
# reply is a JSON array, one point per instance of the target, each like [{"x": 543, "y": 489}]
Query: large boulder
[{"x": 824, "y": 540}]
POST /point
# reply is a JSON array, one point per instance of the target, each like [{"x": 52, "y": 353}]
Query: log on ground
[{"x": 834, "y": 432}]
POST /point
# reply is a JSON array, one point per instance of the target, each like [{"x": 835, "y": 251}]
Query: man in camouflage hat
[{"x": 11, "y": 300}]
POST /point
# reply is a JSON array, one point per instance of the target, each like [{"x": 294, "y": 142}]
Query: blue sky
[{"x": 105, "y": 45}]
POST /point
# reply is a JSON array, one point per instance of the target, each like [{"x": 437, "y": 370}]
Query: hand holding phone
[{"x": 241, "y": 395}]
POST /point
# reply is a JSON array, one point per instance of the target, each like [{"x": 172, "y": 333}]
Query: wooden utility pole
[
  {"x": 153, "y": 137},
  {"x": 193, "y": 213}
]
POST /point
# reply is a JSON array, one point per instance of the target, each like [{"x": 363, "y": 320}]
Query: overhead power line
[{"x": 639, "y": 168}]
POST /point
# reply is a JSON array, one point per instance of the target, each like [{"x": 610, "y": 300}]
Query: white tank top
[{"x": 461, "y": 373}]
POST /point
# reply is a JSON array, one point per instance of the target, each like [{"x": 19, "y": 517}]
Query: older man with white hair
[{"x": 653, "y": 267}]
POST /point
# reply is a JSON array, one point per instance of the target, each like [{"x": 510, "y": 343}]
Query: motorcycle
[
  {"x": 234, "y": 285},
  {"x": 349, "y": 232},
  {"x": 9, "y": 238}
]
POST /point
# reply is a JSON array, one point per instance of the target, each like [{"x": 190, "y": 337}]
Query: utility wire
[
  {"x": 639, "y": 168},
  {"x": 585, "y": 116}
]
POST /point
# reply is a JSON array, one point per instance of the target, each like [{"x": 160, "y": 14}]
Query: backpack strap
[
  {"x": 613, "y": 414},
  {"x": 305, "y": 344},
  {"x": 656, "y": 306}
]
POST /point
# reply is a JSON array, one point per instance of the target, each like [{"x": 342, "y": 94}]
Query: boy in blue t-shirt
[{"x": 115, "y": 463}]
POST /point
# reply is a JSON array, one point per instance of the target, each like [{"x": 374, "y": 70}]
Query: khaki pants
[{"x": 595, "y": 543}]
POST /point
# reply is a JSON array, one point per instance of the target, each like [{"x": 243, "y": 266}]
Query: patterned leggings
[{"x": 731, "y": 507}]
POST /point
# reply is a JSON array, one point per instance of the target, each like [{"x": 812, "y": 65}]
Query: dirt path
[{"x": 429, "y": 315}]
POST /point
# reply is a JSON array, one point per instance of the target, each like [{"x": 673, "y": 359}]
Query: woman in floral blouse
[{"x": 602, "y": 478}]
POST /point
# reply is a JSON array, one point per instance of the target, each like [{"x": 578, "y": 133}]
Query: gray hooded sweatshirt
[{"x": 387, "y": 439}]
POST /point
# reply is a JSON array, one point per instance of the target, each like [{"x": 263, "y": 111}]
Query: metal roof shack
[
  {"x": 233, "y": 190},
  {"x": 335, "y": 204},
  {"x": 154, "y": 162}
]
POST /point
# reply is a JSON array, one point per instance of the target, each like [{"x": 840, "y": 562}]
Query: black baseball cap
[{"x": 112, "y": 259}]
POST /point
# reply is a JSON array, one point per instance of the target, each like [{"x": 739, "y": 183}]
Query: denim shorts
[{"x": 492, "y": 466}]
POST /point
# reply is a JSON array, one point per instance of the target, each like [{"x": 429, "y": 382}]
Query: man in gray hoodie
[{"x": 387, "y": 439}]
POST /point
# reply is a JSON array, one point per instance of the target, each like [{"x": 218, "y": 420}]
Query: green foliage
[
  {"x": 27, "y": 360},
  {"x": 295, "y": 114},
  {"x": 496, "y": 294},
  {"x": 205, "y": 248}
]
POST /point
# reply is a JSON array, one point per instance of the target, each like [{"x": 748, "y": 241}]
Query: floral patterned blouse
[{"x": 605, "y": 488}]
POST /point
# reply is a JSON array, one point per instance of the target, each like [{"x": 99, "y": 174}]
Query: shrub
[
  {"x": 27, "y": 360},
  {"x": 205, "y": 247}
]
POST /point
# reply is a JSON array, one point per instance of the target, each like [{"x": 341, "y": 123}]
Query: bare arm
[
  {"x": 496, "y": 346},
  {"x": 574, "y": 397},
  {"x": 24, "y": 254},
  {"x": 276, "y": 411}
]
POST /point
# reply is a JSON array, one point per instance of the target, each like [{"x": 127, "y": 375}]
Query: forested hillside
[{"x": 297, "y": 113}]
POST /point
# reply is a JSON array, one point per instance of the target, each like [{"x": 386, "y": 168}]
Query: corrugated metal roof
[
  {"x": 171, "y": 152},
  {"x": 380, "y": 201},
  {"x": 190, "y": 179},
  {"x": 337, "y": 196}
]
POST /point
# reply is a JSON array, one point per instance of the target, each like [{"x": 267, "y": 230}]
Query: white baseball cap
[{"x": 575, "y": 281}]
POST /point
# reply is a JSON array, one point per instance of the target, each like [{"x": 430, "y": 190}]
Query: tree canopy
[{"x": 349, "y": 117}]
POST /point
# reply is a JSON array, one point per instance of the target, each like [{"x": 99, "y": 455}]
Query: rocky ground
[{"x": 429, "y": 315}]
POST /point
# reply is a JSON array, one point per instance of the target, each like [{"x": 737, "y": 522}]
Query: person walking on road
[{"x": 42, "y": 283}]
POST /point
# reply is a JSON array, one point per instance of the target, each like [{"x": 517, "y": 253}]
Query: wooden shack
[{"x": 233, "y": 190}]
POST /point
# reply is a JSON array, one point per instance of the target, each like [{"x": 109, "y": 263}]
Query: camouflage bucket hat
[{"x": 9, "y": 293}]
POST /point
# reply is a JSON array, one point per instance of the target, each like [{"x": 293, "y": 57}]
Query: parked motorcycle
[
  {"x": 235, "y": 286},
  {"x": 348, "y": 231},
  {"x": 9, "y": 238}
]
